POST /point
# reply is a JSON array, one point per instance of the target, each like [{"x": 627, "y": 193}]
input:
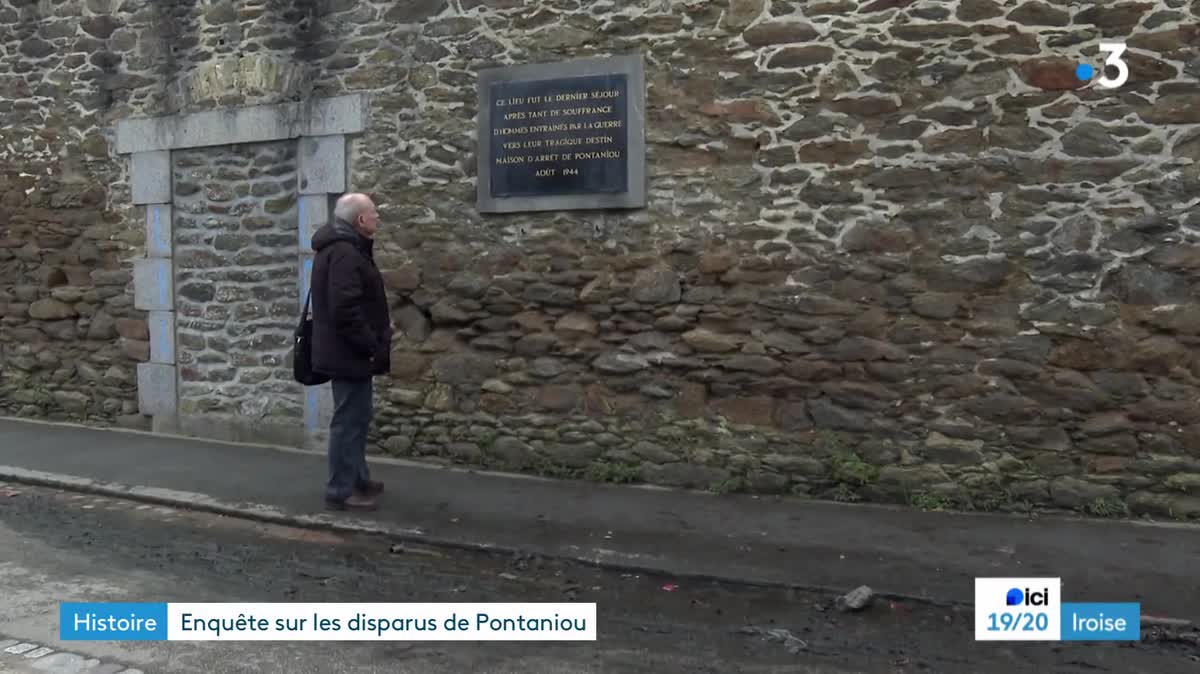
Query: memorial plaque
[{"x": 562, "y": 136}]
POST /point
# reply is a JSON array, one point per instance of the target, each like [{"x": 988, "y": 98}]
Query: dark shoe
[
  {"x": 353, "y": 502},
  {"x": 373, "y": 488}
]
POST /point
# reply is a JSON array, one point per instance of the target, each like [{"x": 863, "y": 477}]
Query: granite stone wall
[
  {"x": 237, "y": 266},
  {"x": 894, "y": 250}
]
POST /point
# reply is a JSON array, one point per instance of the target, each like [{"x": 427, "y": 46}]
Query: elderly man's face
[{"x": 368, "y": 219}]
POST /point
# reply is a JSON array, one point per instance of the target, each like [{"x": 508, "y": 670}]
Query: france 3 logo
[{"x": 1115, "y": 60}]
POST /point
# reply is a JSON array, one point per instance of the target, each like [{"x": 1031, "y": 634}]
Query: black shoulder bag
[{"x": 302, "y": 359}]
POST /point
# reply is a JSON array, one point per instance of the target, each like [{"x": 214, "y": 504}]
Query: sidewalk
[{"x": 761, "y": 540}]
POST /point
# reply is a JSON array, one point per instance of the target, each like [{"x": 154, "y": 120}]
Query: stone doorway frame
[{"x": 321, "y": 128}]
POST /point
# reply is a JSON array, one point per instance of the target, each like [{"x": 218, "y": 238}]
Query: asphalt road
[{"x": 57, "y": 546}]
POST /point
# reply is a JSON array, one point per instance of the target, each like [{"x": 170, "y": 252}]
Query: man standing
[{"x": 352, "y": 336}]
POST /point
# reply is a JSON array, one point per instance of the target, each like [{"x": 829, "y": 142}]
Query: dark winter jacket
[{"x": 352, "y": 332}]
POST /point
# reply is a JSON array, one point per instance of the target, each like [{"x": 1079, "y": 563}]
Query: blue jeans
[{"x": 352, "y": 411}]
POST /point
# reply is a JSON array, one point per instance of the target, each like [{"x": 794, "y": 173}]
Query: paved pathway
[
  {"x": 767, "y": 540},
  {"x": 26, "y": 657}
]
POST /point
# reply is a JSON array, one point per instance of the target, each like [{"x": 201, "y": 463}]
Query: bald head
[{"x": 357, "y": 210}]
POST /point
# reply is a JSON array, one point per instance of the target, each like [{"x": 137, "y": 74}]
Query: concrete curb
[{"x": 605, "y": 559}]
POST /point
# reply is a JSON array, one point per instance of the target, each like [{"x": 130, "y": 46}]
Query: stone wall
[
  {"x": 893, "y": 250},
  {"x": 237, "y": 267}
]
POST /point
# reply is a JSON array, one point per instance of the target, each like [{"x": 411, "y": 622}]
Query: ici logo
[{"x": 1017, "y": 597}]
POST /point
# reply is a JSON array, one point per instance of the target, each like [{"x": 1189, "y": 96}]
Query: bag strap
[{"x": 303, "y": 320}]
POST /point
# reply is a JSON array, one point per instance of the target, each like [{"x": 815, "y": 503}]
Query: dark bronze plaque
[{"x": 560, "y": 136}]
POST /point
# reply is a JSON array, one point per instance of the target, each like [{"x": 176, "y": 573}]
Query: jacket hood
[{"x": 336, "y": 231}]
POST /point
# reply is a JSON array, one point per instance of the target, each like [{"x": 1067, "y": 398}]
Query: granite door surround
[{"x": 321, "y": 127}]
